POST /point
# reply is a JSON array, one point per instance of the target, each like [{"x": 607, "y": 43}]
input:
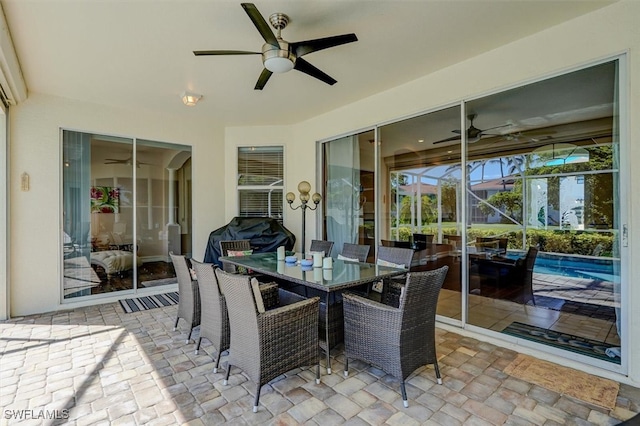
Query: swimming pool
[{"x": 574, "y": 266}]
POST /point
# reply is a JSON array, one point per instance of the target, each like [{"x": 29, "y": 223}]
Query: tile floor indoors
[
  {"x": 98, "y": 365},
  {"x": 496, "y": 314}
]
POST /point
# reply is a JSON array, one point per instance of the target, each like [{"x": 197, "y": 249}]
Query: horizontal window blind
[
  {"x": 260, "y": 182},
  {"x": 260, "y": 166}
]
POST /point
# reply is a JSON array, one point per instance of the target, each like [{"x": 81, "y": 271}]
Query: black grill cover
[{"x": 266, "y": 235}]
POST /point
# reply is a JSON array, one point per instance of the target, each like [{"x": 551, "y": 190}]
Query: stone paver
[{"x": 98, "y": 365}]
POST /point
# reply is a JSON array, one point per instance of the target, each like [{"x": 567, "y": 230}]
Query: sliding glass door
[
  {"x": 519, "y": 194},
  {"x": 126, "y": 205}
]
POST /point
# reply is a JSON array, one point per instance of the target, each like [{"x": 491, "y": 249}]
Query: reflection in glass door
[
  {"x": 126, "y": 204},
  {"x": 543, "y": 209}
]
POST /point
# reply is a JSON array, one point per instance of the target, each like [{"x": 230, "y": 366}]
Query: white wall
[
  {"x": 35, "y": 215},
  {"x": 601, "y": 34}
]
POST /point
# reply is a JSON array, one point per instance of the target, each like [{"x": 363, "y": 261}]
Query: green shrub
[{"x": 556, "y": 241}]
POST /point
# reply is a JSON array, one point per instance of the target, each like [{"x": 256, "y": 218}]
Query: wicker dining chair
[
  {"x": 355, "y": 251},
  {"x": 233, "y": 245},
  {"x": 268, "y": 343},
  {"x": 189, "y": 302},
  {"x": 397, "y": 340},
  {"x": 322, "y": 245},
  {"x": 214, "y": 324},
  {"x": 397, "y": 256}
]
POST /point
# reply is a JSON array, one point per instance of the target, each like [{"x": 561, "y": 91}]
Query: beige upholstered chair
[{"x": 397, "y": 340}]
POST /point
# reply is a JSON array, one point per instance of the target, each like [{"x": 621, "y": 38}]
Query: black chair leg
[
  {"x": 215, "y": 367},
  {"x": 198, "y": 345},
  {"x": 257, "y": 399},
  {"x": 226, "y": 377},
  {"x": 189, "y": 336},
  {"x": 435, "y": 366},
  {"x": 405, "y": 401}
]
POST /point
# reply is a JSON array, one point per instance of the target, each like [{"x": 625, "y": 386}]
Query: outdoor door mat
[
  {"x": 138, "y": 304},
  {"x": 564, "y": 380},
  {"x": 568, "y": 342}
]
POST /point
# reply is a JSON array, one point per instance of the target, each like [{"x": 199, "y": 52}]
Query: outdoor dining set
[{"x": 276, "y": 311}]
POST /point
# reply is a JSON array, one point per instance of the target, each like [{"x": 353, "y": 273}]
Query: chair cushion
[
  {"x": 255, "y": 286},
  {"x": 234, "y": 253},
  {"x": 381, "y": 262},
  {"x": 237, "y": 253},
  {"x": 348, "y": 259}
]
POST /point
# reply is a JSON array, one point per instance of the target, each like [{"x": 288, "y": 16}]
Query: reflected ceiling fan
[
  {"x": 279, "y": 55},
  {"x": 473, "y": 133},
  {"x": 125, "y": 161}
]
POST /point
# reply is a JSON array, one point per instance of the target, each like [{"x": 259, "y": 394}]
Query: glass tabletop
[{"x": 344, "y": 274}]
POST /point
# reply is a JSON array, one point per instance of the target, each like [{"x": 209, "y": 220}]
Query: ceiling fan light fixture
[
  {"x": 190, "y": 98},
  {"x": 278, "y": 64}
]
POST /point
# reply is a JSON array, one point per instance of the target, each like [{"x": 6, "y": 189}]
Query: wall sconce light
[
  {"x": 190, "y": 98},
  {"x": 25, "y": 184},
  {"x": 304, "y": 188}
]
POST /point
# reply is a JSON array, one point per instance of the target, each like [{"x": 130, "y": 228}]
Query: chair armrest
[
  {"x": 365, "y": 318},
  {"x": 299, "y": 309},
  {"x": 287, "y": 297},
  {"x": 284, "y": 326},
  {"x": 269, "y": 293},
  {"x": 365, "y": 303}
]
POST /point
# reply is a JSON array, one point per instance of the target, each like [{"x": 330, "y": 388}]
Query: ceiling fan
[
  {"x": 126, "y": 161},
  {"x": 473, "y": 133},
  {"x": 279, "y": 55}
]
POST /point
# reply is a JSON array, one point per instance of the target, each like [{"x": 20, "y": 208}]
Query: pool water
[{"x": 605, "y": 269}]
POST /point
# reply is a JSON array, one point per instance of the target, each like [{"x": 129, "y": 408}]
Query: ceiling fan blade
[
  {"x": 262, "y": 80},
  {"x": 496, "y": 127},
  {"x": 260, "y": 23},
  {"x": 223, "y": 52},
  {"x": 307, "y": 68},
  {"x": 452, "y": 138},
  {"x": 304, "y": 47}
]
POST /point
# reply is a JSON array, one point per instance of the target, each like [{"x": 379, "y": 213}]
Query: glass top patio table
[{"x": 344, "y": 274}]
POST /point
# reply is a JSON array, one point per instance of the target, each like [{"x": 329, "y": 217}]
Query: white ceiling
[{"x": 137, "y": 54}]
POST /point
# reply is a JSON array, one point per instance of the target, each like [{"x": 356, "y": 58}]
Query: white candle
[
  {"x": 317, "y": 259},
  {"x": 327, "y": 274},
  {"x": 327, "y": 263},
  {"x": 280, "y": 255},
  {"x": 317, "y": 275}
]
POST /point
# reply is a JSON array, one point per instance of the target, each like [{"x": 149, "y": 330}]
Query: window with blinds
[{"x": 260, "y": 181}]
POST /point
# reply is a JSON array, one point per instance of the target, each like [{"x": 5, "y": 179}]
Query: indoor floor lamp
[{"x": 304, "y": 188}]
